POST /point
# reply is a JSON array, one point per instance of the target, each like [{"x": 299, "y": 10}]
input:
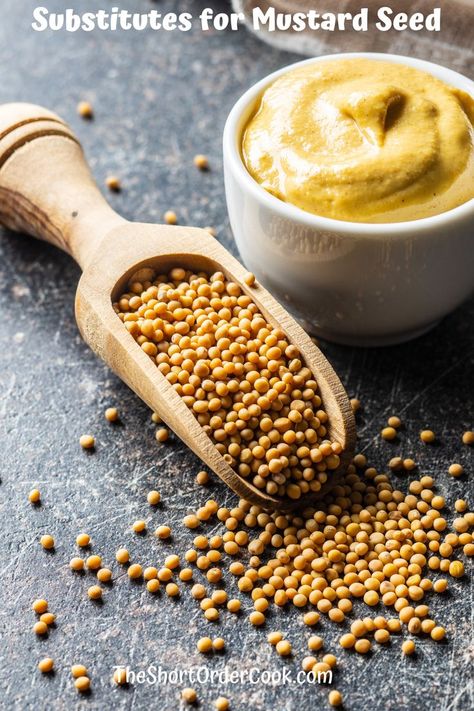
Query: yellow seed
[
  {"x": 78, "y": 670},
  {"x": 283, "y": 647},
  {"x": 172, "y": 590},
  {"x": 104, "y": 575},
  {"x": 170, "y": 217},
  {"x": 34, "y": 496},
  {"x": 204, "y": 644},
  {"x": 139, "y": 526},
  {"x": 95, "y": 592},
  {"x": 233, "y": 605},
  {"x": 382, "y": 636},
  {"x": 201, "y": 161},
  {"x": 427, "y": 436},
  {"x": 39, "y": 606},
  {"x": 93, "y": 562},
  {"x": 134, "y": 571},
  {"x": 48, "y": 618},
  {"x": 46, "y": 665},
  {"x": 211, "y": 614},
  {"x": 162, "y": 434},
  {"x": 163, "y": 532},
  {"x": 40, "y": 628},
  {"x": 355, "y": 404},
  {"x": 82, "y": 540},
  {"x": 87, "y": 441},
  {"x": 335, "y": 698},
  {"x": 191, "y": 521},
  {"x": 153, "y": 497},
  {"x": 438, "y": 633},
  {"x": 85, "y": 110},
  {"x": 113, "y": 183},
  {"x": 394, "y": 422},
  {"x": 388, "y": 433},
  {"x": 362, "y": 645},
  {"x": 218, "y": 644},
  {"x": 202, "y": 478},
  {"x": 315, "y": 643},
  {"x": 221, "y": 703},
  {"x": 249, "y": 279},
  {"x": 82, "y": 683},
  {"x": 120, "y": 676},
  {"x": 311, "y": 618},
  {"x": 347, "y": 640},
  {"x": 189, "y": 695},
  {"x": 122, "y": 556},
  {"x": 456, "y": 470},
  {"x": 274, "y": 637},
  {"x": 153, "y": 585},
  {"x": 111, "y": 414},
  {"x": 468, "y": 437},
  {"x": 456, "y": 569},
  {"x": 47, "y": 541},
  {"x": 257, "y": 618},
  {"x": 408, "y": 647}
]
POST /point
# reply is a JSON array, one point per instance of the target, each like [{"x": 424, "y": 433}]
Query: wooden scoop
[{"x": 46, "y": 190}]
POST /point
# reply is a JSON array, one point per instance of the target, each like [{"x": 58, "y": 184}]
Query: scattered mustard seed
[
  {"x": 355, "y": 404},
  {"x": 335, "y": 698},
  {"x": 204, "y": 644},
  {"x": 76, "y": 564},
  {"x": 122, "y": 556},
  {"x": 153, "y": 585},
  {"x": 111, "y": 414},
  {"x": 249, "y": 279},
  {"x": 47, "y": 542},
  {"x": 202, "y": 478},
  {"x": 408, "y": 647},
  {"x": 39, "y": 606},
  {"x": 427, "y": 436},
  {"x": 456, "y": 470},
  {"x": 87, "y": 441},
  {"x": 221, "y": 703},
  {"x": 46, "y": 665},
  {"x": 153, "y": 497},
  {"x": 113, "y": 183},
  {"x": 40, "y": 628},
  {"x": 139, "y": 526},
  {"x": 83, "y": 540},
  {"x": 162, "y": 434},
  {"x": 85, "y": 110},
  {"x": 388, "y": 433},
  {"x": 34, "y": 496},
  {"x": 78, "y": 670},
  {"x": 104, "y": 575},
  {"x": 93, "y": 562},
  {"x": 170, "y": 217},
  {"x": 134, "y": 571},
  {"x": 82, "y": 683},
  {"x": 189, "y": 695},
  {"x": 48, "y": 618},
  {"x": 468, "y": 437},
  {"x": 283, "y": 647},
  {"x": 201, "y": 161},
  {"x": 95, "y": 592}
]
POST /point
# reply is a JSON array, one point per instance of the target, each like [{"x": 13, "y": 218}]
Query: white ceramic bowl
[{"x": 349, "y": 282}]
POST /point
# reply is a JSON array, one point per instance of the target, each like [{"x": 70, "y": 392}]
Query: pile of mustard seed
[{"x": 246, "y": 384}]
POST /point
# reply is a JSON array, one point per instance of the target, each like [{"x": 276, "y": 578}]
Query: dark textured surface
[{"x": 159, "y": 99}]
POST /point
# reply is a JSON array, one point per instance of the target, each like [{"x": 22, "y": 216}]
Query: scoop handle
[{"x": 46, "y": 187}]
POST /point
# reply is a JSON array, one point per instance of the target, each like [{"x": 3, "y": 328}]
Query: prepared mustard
[{"x": 363, "y": 140}]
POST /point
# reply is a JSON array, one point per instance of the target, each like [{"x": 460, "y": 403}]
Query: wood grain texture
[{"x": 47, "y": 190}]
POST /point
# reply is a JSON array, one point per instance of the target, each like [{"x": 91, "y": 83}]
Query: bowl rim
[{"x": 232, "y": 155}]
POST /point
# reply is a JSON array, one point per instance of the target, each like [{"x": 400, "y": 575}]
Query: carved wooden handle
[{"x": 46, "y": 187}]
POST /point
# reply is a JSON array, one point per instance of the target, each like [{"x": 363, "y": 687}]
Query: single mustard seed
[
  {"x": 82, "y": 540},
  {"x": 78, "y": 670},
  {"x": 153, "y": 497},
  {"x": 456, "y": 569},
  {"x": 427, "y": 436},
  {"x": 438, "y": 633},
  {"x": 221, "y": 703},
  {"x": 468, "y": 437},
  {"x": 76, "y": 564},
  {"x": 394, "y": 421},
  {"x": 388, "y": 433},
  {"x": 120, "y": 676},
  {"x": 201, "y": 162},
  {"x": 283, "y": 647},
  {"x": 204, "y": 644},
  {"x": 315, "y": 643},
  {"x": 355, "y": 404},
  {"x": 139, "y": 526},
  {"x": 249, "y": 279},
  {"x": 134, "y": 571},
  {"x": 172, "y": 590},
  {"x": 87, "y": 441},
  {"x": 218, "y": 644},
  {"x": 40, "y": 628},
  {"x": 122, "y": 556},
  {"x": 189, "y": 695},
  {"x": 170, "y": 217},
  {"x": 46, "y": 665},
  {"x": 113, "y": 183},
  {"x": 257, "y": 618},
  {"x": 191, "y": 521},
  {"x": 34, "y": 496},
  {"x": 93, "y": 562},
  {"x": 362, "y": 645},
  {"x": 150, "y": 573},
  {"x": 202, "y": 478},
  {"x": 456, "y": 470},
  {"x": 111, "y": 414},
  {"x": 162, "y": 434},
  {"x": 234, "y": 605},
  {"x": 104, "y": 575},
  {"x": 335, "y": 698},
  {"x": 95, "y": 592},
  {"x": 47, "y": 541},
  {"x": 85, "y": 110},
  {"x": 48, "y": 618},
  {"x": 274, "y": 637},
  {"x": 156, "y": 418},
  {"x": 153, "y": 585},
  {"x": 408, "y": 647},
  {"x": 39, "y": 606},
  {"x": 82, "y": 683}
]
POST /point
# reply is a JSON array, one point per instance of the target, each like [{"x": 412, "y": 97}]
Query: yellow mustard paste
[{"x": 363, "y": 140}]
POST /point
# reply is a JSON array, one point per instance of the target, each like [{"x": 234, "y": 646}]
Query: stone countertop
[{"x": 159, "y": 98}]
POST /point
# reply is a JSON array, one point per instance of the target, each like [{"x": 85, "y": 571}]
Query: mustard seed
[
  {"x": 83, "y": 540},
  {"x": 283, "y": 647},
  {"x": 40, "y": 628},
  {"x": 87, "y": 441},
  {"x": 153, "y": 497},
  {"x": 362, "y": 645},
  {"x": 163, "y": 532},
  {"x": 438, "y": 633},
  {"x": 191, "y": 521},
  {"x": 189, "y": 695},
  {"x": 76, "y": 564},
  {"x": 111, "y": 414},
  {"x": 122, "y": 556},
  {"x": 408, "y": 647},
  {"x": 47, "y": 542},
  {"x": 221, "y": 703},
  {"x": 315, "y": 643},
  {"x": 78, "y": 670},
  {"x": 218, "y": 644},
  {"x": 82, "y": 683},
  {"x": 162, "y": 434},
  {"x": 114, "y": 185},
  {"x": 139, "y": 526},
  {"x": 46, "y": 665},
  {"x": 388, "y": 433},
  {"x": 48, "y": 618},
  {"x": 120, "y": 676},
  {"x": 355, "y": 404},
  {"x": 39, "y": 606},
  {"x": 234, "y": 605},
  {"x": 202, "y": 478},
  {"x": 274, "y": 637},
  {"x": 335, "y": 698},
  {"x": 95, "y": 592},
  {"x": 134, "y": 571},
  {"x": 257, "y": 618},
  {"x": 153, "y": 585},
  {"x": 170, "y": 217},
  {"x": 394, "y": 422},
  {"x": 427, "y": 436},
  {"x": 93, "y": 562},
  {"x": 204, "y": 644},
  {"x": 249, "y": 279},
  {"x": 456, "y": 470},
  {"x": 34, "y": 496},
  {"x": 456, "y": 569},
  {"x": 468, "y": 437},
  {"x": 104, "y": 575},
  {"x": 85, "y": 110},
  {"x": 201, "y": 162}
]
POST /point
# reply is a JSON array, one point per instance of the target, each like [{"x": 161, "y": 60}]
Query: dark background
[{"x": 159, "y": 99}]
